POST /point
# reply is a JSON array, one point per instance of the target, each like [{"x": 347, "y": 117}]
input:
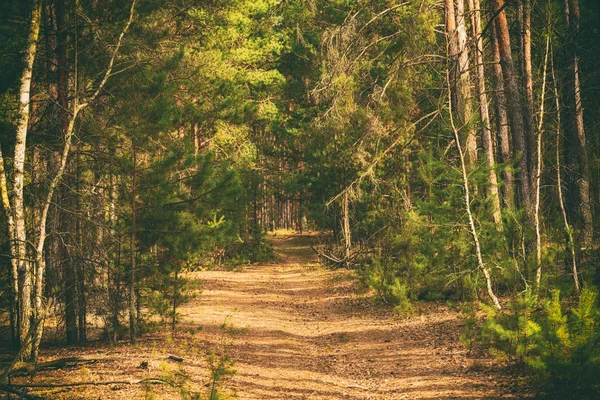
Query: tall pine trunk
[
  {"x": 527, "y": 88},
  {"x": 561, "y": 198},
  {"x": 460, "y": 76},
  {"x": 513, "y": 104},
  {"x": 502, "y": 132},
  {"x": 132, "y": 292},
  {"x": 576, "y": 155},
  {"x": 486, "y": 131}
]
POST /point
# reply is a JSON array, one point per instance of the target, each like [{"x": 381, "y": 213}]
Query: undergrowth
[{"x": 556, "y": 339}]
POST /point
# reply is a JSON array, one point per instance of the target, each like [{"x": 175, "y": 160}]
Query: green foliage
[
  {"x": 560, "y": 344},
  {"x": 166, "y": 293},
  {"x": 380, "y": 275},
  {"x": 514, "y": 333},
  {"x": 221, "y": 367},
  {"x": 469, "y": 330},
  {"x": 220, "y": 364},
  {"x": 252, "y": 250}
]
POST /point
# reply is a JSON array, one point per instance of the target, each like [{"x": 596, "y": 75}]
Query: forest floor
[{"x": 294, "y": 330}]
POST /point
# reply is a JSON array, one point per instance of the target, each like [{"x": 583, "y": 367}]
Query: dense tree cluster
[{"x": 449, "y": 147}]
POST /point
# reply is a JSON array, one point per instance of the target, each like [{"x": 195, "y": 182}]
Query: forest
[{"x": 432, "y": 162}]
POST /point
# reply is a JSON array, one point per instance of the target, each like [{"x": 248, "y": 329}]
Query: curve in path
[{"x": 299, "y": 331}]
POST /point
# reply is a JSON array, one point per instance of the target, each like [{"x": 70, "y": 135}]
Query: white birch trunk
[{"x": 24, "y": 278}]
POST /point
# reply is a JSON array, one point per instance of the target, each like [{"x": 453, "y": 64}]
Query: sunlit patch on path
[{"x": 306, "y": 334}]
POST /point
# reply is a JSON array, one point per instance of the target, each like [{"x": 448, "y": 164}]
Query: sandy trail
[{"x": 302, "y": 332}]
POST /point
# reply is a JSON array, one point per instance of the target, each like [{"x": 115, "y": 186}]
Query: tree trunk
[
  {"x": 70, "y": 296},
  {"x": 486, "y": 131},
  {"x": 66, "y": 259},
  {"x": 473, "y": 229},
  {"x": 466, "y": 112},
  {"x": 459, "y": 64},
  {"x": 14, "y": 310},
  {"x": 561, "y": 199},
  {"x": 79, "y": 240},
  {"x": 132, "y": 300},
  {"x": 175, "y": 298},
  {"x": 576, "y": 156},
  {"x": 503, "y": 137},
  {"x": 346, "y": 226},
  {"x": 538, "y": 171},
  {"x": 25, "y": 279},
  {"x": 451, "y": 34},
  {"x": 527, "y": 84},
  {"x": 513, "y": 98}
]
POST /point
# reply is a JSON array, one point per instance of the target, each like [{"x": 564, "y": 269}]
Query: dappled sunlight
[{"x": 297, "y": 330}]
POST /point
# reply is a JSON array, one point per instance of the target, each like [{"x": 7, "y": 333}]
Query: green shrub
[
  {"x": 513, "y": 334},
  {"x": 561, "y": 345},
  {"x": 381, "y": 276},
  {"x": 469, "y": 326},
  {"x": 253, "y": 249}
]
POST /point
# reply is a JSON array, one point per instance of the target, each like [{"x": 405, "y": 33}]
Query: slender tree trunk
[
  {"x": 450, "y": 20},
  {"x": 461, "y": 80},
  {"x": 473, "y": 229},
  {"x": 486, "y": 131},
  {"x": 538, "y": 171},
  {"x": 132, "y": 300},
  {"x": 576, "y": 154},
  {"x": 513, "y": 98},
  {"x": 561, "y": 199},
  {"x": 15, "y": 310},
  {"x": 66, "y": 256},
  {"x": 175, "y": 299},
  {"x": 70, "y": 293},
  {"x": 346, "y": 226},
  {"x": 502, "y": 124},
  {"x": 25, "y": 279},
  {"x": 466, "y": 113},
  {"x": 80, "y": 271},
  {"x": 527, "y": 84}
]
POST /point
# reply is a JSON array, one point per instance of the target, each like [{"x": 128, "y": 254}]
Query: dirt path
[
  {"x": 304, "y": 333},
  {"x": 295, "y": 331}
]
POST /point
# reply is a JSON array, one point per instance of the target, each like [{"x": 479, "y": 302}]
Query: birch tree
[
  {"x": 16, "y": 214},
  {"x": 31, "y": 263}
]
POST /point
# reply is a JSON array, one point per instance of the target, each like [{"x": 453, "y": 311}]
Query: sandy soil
[
  {"x": 295, "y": 331},
  {"x": 310, "y": 336}
]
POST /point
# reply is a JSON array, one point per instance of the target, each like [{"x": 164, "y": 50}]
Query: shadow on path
[{"x": 308, "y": 335}]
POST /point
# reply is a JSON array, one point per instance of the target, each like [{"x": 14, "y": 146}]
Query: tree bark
[
  {"x": 486, "y": 131},
  {"x": 472, "y": 227},
  {"x": 69, "y": 292},
  {"x": 503, "y": 136},
  {"x": 346, "y": 226},
  {"x": 561, "y": 199},
  {"x": 132, "y": 297},
  {"x": 466, "y": 113},
  {"x": 15, "y": 311},
  {"x": 25, "y": 278},
  {"x": 576, "y": 155},
  {"x": 37, "y": 313},
  {"x": 538, "y": 171},
  {"x": 513, "y": 98},
  {"x": 80, "y": 271},
  {"x": 460, "y": 78},
  {"x": 527, "y": 85},
  {"x": 450, "y": 20}
]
